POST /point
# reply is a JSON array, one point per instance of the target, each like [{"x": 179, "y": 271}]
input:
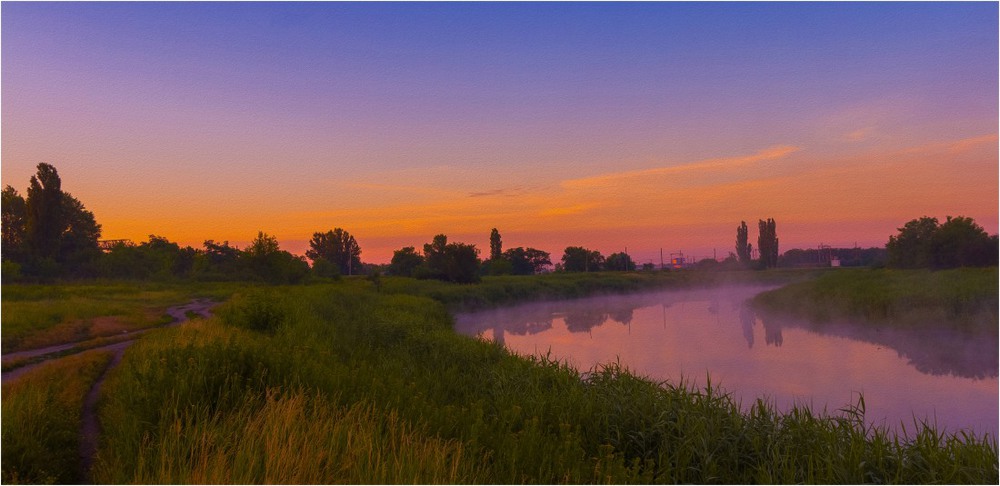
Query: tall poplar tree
[
  {"x": 743, "y": 247},
  {"x": 496, "y": 247},
  {"x": 767, "y": 243}
]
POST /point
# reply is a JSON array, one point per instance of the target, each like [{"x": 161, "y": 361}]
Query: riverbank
[
  {"x": 339, "y": 383},
  {"x": 472, "y": 411},
  {"x": 507, "y": 290},
  {"x": 965, "y": 298}
]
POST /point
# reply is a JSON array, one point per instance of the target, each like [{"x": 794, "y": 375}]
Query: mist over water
[{"x": 948, "y": 378}]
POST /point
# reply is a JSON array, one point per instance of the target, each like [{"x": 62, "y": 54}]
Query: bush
[{"x": 260, "y": 310}]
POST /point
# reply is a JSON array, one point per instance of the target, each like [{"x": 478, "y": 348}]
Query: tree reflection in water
[{"x": 929, "y": 349}]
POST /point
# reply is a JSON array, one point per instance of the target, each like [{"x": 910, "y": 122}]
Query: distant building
[{"x": 677, "y": 262}]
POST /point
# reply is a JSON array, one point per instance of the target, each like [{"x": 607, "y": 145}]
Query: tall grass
[
  {"x": 423, "y": 404},
  {"x": 42, "y": 419}
]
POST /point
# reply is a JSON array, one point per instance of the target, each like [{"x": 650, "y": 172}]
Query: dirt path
[
  {"x": 179, "y": 313},
  {"x": 90, "y": 426}
]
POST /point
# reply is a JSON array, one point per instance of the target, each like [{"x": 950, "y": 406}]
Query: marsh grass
[
  {"x": 423, "y": 404},
  {"x": 965, "y": 298},
  {"x": 42, "y": 416}
]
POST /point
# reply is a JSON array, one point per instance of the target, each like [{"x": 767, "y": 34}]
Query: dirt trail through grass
[
  {"x": 90, "y": 427},
  {"x": 38, "y": 356}
]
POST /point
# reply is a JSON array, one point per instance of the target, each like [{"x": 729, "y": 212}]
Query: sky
[{"x": 644, "y": 126}]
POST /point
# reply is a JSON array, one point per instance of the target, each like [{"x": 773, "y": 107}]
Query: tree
[
  {"x": 405, "y": 262},
  {"x": 434, "y": 256},
  {"x": 911, "y": 248},
  {"x": 744, "y": 250},
  {"x": 461, "y": 263},
  {"x": 49, "y": 231},
  {"x": 959, "y": 242},
  {"x": 268, "y": 262},
  {"x": 157, "y": 258},
  {"x": 526, "y": 261},
  {"x": 337, "y": 247},
  {"x": 579, "y": 259},
  {"x": 496, "y": 247},
  {"x": 45, "y": 221},
  {"x": 619, "y": 262},
  {"x": 452, "y": 262},
  {"x": 15, "y": 216},
  {"x": 767, "y": 243}
]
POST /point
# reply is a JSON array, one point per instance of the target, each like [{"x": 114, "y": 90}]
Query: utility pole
[{"x": 661, "y": 258}]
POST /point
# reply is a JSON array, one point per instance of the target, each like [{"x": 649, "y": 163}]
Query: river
[{"x": 947, "y": 378}]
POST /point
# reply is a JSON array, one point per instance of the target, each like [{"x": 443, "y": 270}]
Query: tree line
[{"x": 49, "y": 233}]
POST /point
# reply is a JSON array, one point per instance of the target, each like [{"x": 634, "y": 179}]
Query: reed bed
[
  {"x": 341, "y": 364},
  {"x": 42, "y": 419}
]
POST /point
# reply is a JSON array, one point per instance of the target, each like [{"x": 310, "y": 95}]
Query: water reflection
[{"x": 683, "y": 334}]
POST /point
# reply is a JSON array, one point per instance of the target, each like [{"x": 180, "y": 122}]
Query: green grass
[
  {"x": 964, "y": 298},
  {"x": 423, "y": 404},
  {"x": 35, "y": 316},
  {"x": 41, "y": 419}
]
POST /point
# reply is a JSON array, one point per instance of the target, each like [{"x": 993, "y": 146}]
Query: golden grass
[{"x": 41, "y": 419}]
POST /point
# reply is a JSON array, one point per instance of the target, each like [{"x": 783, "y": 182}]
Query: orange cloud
[{"x": 721, "y": 164}]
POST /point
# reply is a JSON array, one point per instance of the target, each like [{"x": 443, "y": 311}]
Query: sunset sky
[{"x": 642, "y": 125}]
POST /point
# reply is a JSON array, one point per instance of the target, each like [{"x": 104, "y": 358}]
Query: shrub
[{"x": 259, "y": 310}]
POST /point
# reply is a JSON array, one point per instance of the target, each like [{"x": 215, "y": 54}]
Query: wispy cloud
[
  {"x": 719, "y": 164},
  {"x": 859, "y": 135},
  {"x": 508, "y": 191}
]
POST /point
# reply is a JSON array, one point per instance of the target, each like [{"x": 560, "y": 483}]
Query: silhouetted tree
[
  {"x": 526, "y": 261},
  {"x": 44, "y": 203},
  {"x": 579, "y": 259},
  {"x": 337, "y": 247},
  {"x": 15, "y": 218},
  {"x": 744, "y": 249},
  {"x": 911, "y": 248},
  {"x": 453, "y": 262},
  {"x": 405, "y": 262},
  {"x": 268, "y": 262},
  {"x": 959, "y": 242},
  {"x": 219, "y": 261},
  {"x": 619, "y": 262},
  {"x": 434, "y": 256},
  {"x": 461, "y": 263},
  {"x": 50, "y": 232},
  {"x": 767, "y": 243},
  {"x": 496, "y": 247}
]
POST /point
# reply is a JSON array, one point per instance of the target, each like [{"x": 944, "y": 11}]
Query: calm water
[{"x": 949, "y": 378}]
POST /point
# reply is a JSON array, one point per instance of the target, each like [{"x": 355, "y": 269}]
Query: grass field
[
  {"x": 963, "y": 298},
  {"x": 35, "y": 316},
  {"x": 338, "y": 383}
]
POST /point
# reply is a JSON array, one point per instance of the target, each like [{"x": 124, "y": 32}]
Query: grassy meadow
[
  {"x": 340, "y": 383},
  {"x": 35, "y": 316}
]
